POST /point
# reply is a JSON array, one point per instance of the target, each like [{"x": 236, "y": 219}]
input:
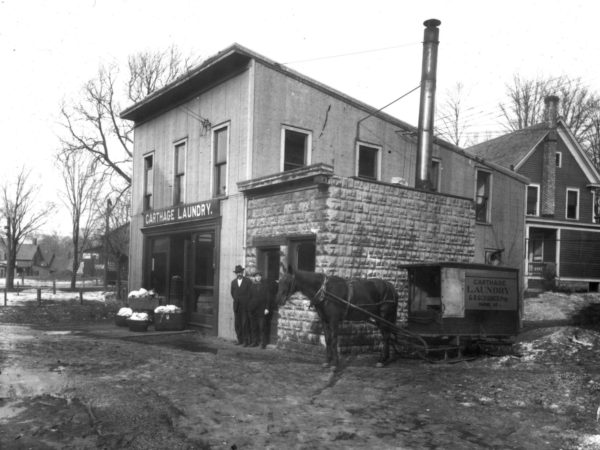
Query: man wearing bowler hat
[{"x": 240, "y": 292}]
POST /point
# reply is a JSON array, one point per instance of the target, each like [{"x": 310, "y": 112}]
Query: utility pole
[{"x": 106, "y": 230}]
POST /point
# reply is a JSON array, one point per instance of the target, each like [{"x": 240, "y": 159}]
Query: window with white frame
[
  {"x": 595, "y": 206},
  {"x": 435, "y": 175},
  {"x": 179, "y": 174},
  {"x": 533, "y": 200},
  {"x": 296, "y": 148},
  {"x": 572, "y": 209},
  {"x": 558, "y": 159},
  {"x": 220, "y": 150},
  {"x": 148, "y": 181},
  {"x": 482, "y": 196},
  {"x": 367, "y": 161}
]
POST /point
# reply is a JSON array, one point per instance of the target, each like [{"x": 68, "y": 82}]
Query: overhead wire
[{"x": 341, "y": 55}]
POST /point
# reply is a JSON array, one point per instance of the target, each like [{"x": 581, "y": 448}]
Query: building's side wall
[
  {"x": 507, "y": 225},
  {"x": 362, "y": 230},
  {"x": 335, "y": 126},
  {"x": 226, "y": 103}
]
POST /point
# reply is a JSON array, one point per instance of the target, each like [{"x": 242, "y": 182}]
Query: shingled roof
[{"x": 510, "y": 149}]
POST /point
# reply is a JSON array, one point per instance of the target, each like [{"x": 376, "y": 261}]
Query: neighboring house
[
  {"x": 95, "y": 257},
  {"x": 244, "y": 161},
  {"x": 562, "y": 215},
  {"x": 30, "y": 260}
]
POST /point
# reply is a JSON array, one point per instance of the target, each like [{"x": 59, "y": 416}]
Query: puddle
[
  {"x": 17, "y": 382},
  {"x": 9, "y": 409}
]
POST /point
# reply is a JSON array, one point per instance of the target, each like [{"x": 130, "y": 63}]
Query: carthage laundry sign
[{"x": 182, "y": 213}]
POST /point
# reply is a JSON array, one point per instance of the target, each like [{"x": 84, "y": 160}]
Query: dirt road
[
  {"x": 94, "y": 388},
  {"x": 95, "y": 385}
]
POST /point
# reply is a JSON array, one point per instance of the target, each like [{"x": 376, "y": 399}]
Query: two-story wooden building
[
  {"x": 244, "y": 161},
  {"x": 562, "y": 215}
]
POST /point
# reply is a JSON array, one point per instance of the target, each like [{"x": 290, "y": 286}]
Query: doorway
[{"x": 201, "y": 292}]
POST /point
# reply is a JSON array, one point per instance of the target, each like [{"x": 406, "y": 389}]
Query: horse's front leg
[
  {"x": 335, "y": 360},
  {"x": 327, "y": 334},
  {"x": 328, "y": 347},
  {"x": 385, "y": 348}
]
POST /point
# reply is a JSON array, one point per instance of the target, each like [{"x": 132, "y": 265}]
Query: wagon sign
[{"x": 490, "y": 290}]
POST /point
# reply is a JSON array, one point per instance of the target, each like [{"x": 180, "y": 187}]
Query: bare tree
[
  {"x": 117, "y": 237},
  {"x": 579, "y": 107},
  {"x": 22, "y": 216},
  {"x": 525, "y": 104},
  {"x": 451, "y": 120},
  {"x": 81, "y": 188},
  {"x": 92, "y": 124},
  {"x": 592, "y": 137}
]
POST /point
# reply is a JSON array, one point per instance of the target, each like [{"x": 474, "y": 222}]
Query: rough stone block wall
[{"x": 362, "y": 229}]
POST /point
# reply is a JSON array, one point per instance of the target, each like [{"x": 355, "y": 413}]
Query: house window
[
  {"x": 148, "y": 181},
  {"x": 533, "y": 200},
  {"x": 296, "y": 146},
  {"x": 367, "y": 165},
  {"x": 220, "y": 147},
  {"x": 558, "y": 159},
  {"x": 302, "y": 254},
  {"x": 179, "y": 174},
  {"x": 572, "y": 211},
  {"x": 482, "y": 197},
  {"x": 435, "y": 175},
  {"x": 595, "y": 207}
]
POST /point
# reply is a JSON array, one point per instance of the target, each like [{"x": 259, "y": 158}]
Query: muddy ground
[{"x": 72, "y": 379}]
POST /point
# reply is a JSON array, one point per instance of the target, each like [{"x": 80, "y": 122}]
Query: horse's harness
[{"x": 322, "y": 294}]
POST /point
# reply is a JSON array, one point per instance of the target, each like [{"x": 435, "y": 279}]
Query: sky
[{"x": 370, "y": 50}]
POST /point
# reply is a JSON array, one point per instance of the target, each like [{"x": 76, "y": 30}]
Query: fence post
[
  {"x": 5, "y": 297},
  {"x": 54, "y": 287},
  {"x": 81, "y": 297},
  {"x": 18, "y": 286},
  {"x": 39, "y": 296}
]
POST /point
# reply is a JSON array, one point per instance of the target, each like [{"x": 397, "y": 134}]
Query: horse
[{"x": 378, "y": 297}]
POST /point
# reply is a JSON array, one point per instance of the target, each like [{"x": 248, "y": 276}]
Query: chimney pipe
[
  {"x": 551, "y": 102},
  {"x": 427, "y": 104},
  {"x": 548, "y": 200}
]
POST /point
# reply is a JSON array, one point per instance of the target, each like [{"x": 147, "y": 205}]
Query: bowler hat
[{"x": 238, "y": 269}]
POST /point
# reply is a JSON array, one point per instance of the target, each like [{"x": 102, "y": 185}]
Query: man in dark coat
[
  {"x": 260, "y": 307},
  {"x": 240, "y": 292}
]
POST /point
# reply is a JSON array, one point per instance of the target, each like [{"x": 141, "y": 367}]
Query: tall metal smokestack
[{"x": 427, "y": 104}]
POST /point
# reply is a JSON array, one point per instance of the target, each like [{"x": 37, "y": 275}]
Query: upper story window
[
  {"x": 572, "y": 210},
  {"x": 179, "y": 174},
  {"x": 482, "y": 196},
  {"x": 595, "y": 207},
  {"x": 148, "y": 181},
  {"x": 558, "y": 159},
  {"x": 368, "y": 161},
  {"x": 220, "y": 150},
  {"x": 533, "y": 200},
  {"x": 435, "y": 175},
  {"x": 296, "y": 148}
]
